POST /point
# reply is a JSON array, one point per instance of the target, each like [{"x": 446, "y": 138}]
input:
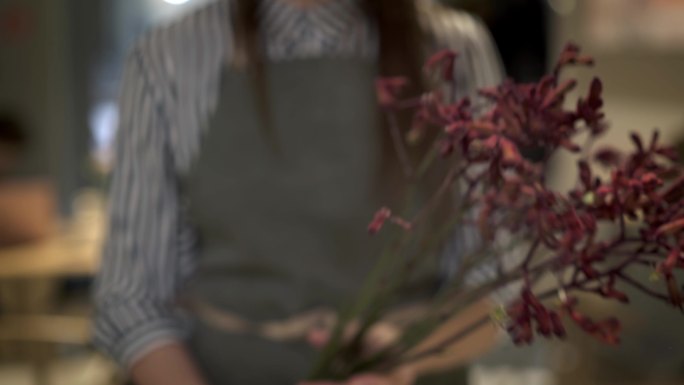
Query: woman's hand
[
  {"x": 379, "y": 337},
  {"x": 457, "y": 354},
  {"x": 169, "y": 364}
]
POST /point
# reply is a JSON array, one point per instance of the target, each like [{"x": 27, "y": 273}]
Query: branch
[
  {"x": 458, "y": 336},
  {"x": 530, "y": 253},
  {"x": 443, "y": 188},
  {"x": 399, "y": 146},
  {"x": 408, "y": 104},
  {"x": 631, "y": 281},
  {"x": 442, "y": 346},
  {"x": 576, "y": 285}
]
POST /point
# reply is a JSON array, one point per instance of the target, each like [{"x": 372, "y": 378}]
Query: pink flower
[
  {"x": 381, "y": 216},
  {"x": 609, "y": 291},
  {"x": 388, "y": 89},
  {"x": 608, "y": 157},
  {"x": 557, "y": 95},
  {"x": 589, "y": 109},
  {"x": 444, "y": 62},
  {"x": 607, "y": 331},
  {"x": 571, "y": 55}
]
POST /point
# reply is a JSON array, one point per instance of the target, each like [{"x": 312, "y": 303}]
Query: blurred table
[
  {"x": 29, "y": 272},
  {"x": 31, "y": 275},
  {"x": 30, "y": 278},
  {"x": 72, "y": 250},
  {"x": 66, "y": 254}
]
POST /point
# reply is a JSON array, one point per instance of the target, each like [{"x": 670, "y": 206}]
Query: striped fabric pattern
[
  {"x": 170, "y": 87},
  {"x": 336, "y": 27}
]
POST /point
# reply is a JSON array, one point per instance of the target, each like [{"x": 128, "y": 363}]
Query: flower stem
[{"x": 399, "y": 146}]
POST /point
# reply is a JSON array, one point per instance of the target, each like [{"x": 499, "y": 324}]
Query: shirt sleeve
[
  {"x": 148, "y": 248},
  {"x": 478, "y": 66}
]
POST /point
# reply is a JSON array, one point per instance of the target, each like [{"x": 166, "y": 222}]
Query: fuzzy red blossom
[
  {"x": 607, "y": 330},
  {"x": 443, "y": 61},
  {"x": 571, "y": 54},
  {"x": 589, "y": 109},
  {"x": 513, "y": 197},
  {"x": 557, "y": 95},
  {"x": 403, "y": 223},
  {"x": 638, "y": 197},
  {"x": 379, "y": 220},
  {"x": 531, "y": 115},
  {"x": 527, "y": 315},
  {"x": 389, "y": 89},
  {"x": 609, "y": 291},
  {"x": 608, "y": 157},
  {"x": 382, "y": 216},
  {"x": 671, "y": 227}
]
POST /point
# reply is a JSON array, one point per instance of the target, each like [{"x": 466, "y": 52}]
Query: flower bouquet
[{"x": 621, "y": 225}]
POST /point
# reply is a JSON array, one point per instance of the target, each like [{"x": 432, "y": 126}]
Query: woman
[{"x": 250, "y": 155}]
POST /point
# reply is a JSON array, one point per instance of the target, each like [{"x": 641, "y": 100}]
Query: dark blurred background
[{"x": 60, "y": 67}]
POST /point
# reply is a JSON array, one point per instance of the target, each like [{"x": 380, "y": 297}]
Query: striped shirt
[{"x": 170, "y": 88}]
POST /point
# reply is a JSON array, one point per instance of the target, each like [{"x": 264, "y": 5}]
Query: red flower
[
  {"x": 544, "y": 326},
  {"x": 444, "y": 61},
  {"x": 379, "y": 220},
  {"x": 404, "y": 224},
  {"x": 671, "y": 227},
  {"x": 607, "y": 331},
  {"x": 609, "y": 291},
  {"x": 510, "y": 198},
  {"x": 388, "y": 89},
  {"x": 382, "y": 216},
  {"x": 585, "y": 174},
  {"x": 509, "y": 151},
  {"x": 571, "y": 55},
  {"x": 589, "y": 109},
  {"x": 557, "y": 95},
  {"x": 636, "y": 139},
  {"x": 673, "y": 258},
  {"x": 528, "y": 310},
  {"x": 608, "y": 157},
  {"x": 674, "y": 192}
]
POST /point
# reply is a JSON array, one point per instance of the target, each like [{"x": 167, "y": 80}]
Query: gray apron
[{"x": 282, "y": 232}]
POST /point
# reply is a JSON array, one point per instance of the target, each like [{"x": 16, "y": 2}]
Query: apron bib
[{"x": 282, "y": 232}]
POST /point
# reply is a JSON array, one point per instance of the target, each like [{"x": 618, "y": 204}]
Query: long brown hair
[{"x": 401, "y": 53}]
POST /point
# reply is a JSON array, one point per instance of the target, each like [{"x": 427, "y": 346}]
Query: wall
[
  {"x": 35, "y": 80},
  {"x": 644, "y": 86},
  {"x": 644, "y": 89}
]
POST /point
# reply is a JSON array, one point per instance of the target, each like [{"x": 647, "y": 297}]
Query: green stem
[
  {"x": 365, "y": 298},
  {"x": 369, "y": 293},
  {"x": 427, "y": 161}
]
